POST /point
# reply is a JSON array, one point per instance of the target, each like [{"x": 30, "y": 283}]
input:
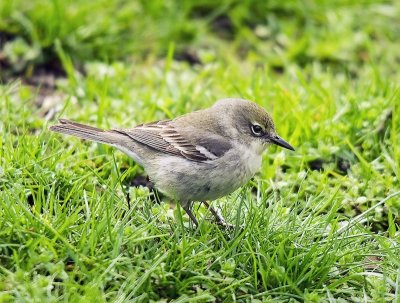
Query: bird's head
[{"x": 249, "y": 123}]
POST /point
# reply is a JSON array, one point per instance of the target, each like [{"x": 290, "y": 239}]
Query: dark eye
[{"x": 257, "y": 130}]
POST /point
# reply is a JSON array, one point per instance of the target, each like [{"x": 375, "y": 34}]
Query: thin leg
[
  {"x": 218, "y": 217},
  {"x": 220, "y": 220},
  {"x": 190, "y": 214}
]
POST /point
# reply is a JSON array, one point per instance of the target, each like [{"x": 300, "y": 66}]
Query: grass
[{"x": 320, "y": 224}]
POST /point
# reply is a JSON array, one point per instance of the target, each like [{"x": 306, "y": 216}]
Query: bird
[{"x": 196, "y": 157}]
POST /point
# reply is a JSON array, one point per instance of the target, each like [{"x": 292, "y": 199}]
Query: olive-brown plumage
[{"x": 199, "y": 156}]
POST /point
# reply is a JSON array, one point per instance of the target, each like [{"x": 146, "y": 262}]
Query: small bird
[{"x": 199, "y": 156}]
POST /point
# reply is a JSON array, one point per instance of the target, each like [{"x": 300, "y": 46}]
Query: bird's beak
[{"x": 279, "y": 141}]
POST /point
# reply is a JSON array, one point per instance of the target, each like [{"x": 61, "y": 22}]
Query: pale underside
[{"x": 190, "y": 168}]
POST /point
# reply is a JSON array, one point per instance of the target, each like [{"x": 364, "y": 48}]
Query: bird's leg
[
  {"x": 186, "y": 207},
  {"x": 220, "y": 220}
]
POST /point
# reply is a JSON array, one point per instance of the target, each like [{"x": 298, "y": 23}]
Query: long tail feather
[{"x": 86, "y": 132}]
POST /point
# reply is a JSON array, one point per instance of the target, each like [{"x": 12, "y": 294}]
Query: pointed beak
[{"x": 279, "y": 141}]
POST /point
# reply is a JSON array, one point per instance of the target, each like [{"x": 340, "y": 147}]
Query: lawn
[{"x": 79, "y": 222}]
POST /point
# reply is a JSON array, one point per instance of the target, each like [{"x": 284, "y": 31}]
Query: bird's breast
[
  {"x": 250, "y": 159},
  {"x": 187, "y": 180}
]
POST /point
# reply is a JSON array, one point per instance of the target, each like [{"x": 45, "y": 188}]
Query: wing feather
[{"x": 164, "y": 137}]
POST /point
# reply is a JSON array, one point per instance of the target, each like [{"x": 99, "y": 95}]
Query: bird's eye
[{"x": 257, "y": 130}]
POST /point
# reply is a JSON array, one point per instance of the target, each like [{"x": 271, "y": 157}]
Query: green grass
[{"x": 319, "y": 225}]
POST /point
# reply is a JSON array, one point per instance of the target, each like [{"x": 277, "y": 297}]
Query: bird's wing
[{"x": 191, "y": 144}]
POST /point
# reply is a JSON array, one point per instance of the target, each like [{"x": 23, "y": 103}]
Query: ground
[{"x": 79, "y": 221}]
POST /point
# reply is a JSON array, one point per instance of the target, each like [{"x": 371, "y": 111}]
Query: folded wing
[{"x": 190, "y": 144}]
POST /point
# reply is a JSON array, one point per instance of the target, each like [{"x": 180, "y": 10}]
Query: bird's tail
[{"x": 86, "y": 132}]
